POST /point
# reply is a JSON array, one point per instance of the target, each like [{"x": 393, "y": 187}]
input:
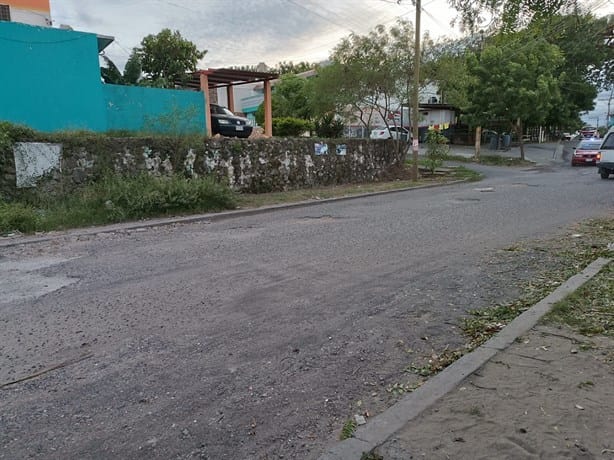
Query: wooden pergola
[{"x": 205, "y": 80}]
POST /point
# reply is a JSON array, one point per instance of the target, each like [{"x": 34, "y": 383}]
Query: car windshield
[
  {"x": 608, "y": 143},
  {"x": 589, "y": 145}
]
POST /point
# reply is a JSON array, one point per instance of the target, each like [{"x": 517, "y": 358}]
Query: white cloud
[{"x": 246, "y": 32}]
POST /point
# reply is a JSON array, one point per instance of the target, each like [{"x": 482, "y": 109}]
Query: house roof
[
  {"x": 219, "y": 78},
  {"x": 104, "y": 41}
]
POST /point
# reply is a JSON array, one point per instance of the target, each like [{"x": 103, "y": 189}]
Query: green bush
[
  {"x": 11, "y": 133},
  {"x": 290, "y": 127},
  {"x": 436, "y": 149},
  {"x": 16, "y": 132},
  {"x": 116, "y": 199},
  {"x": 18, "y": 217},
  {"x": 329, "y": 126}
]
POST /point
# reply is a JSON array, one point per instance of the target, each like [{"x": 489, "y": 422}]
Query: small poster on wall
[
  {"x": 321, "y": 148},
  {"x": 341, "y": 149}
]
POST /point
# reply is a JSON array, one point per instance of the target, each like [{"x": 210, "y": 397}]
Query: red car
[
  {"x": 589, "y": 132},
  {"x": 586, "y": 152}
]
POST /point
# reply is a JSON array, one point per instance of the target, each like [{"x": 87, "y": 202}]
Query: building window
[{"x": 5, "y": 13}]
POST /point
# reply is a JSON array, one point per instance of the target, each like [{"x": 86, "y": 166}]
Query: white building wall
[{"x": 34, "y": 18}]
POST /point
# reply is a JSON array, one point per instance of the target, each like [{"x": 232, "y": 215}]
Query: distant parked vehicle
[
  {"x": 586, "y": 152},
  {"x": 605, "y": 159},
  {"x": 392, "y": 132},
  {"x": 226, "y": 123}
]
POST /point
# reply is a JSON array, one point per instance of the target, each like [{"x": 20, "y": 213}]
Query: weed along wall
[{"x": 260, "y": 165}]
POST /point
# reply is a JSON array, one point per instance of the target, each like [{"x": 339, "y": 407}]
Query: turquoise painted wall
[
  {"x": 50, "y": 78},
  {"x": 137, "y": 108}
]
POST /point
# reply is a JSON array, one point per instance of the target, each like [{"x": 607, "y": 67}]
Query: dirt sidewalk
[{"x": 548, "y": 396}]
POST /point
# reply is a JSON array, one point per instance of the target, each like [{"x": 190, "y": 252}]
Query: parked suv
[{"x": 605, "y": 158}]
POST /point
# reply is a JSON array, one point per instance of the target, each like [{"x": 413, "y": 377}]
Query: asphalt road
[{"x": 256, "y": 337}]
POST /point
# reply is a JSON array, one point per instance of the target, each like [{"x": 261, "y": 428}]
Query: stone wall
[{"x": 259, "y": 165}]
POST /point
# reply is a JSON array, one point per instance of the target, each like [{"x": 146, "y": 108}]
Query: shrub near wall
[
  {"x": 259, "y": 165},
  {"x": 9, "y": 134}
]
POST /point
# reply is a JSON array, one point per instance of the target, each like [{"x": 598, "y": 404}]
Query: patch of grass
[
  {"x": 436, "y": 362},
  {"x": 462, "y": 173},
  {"x": 460, "y": 158},
  {"x": 586, "y": 384},
  {"x": 397, "y": 389},
  {"x": 589, "y": 310},
  {"x": 347, "y": 432},
  {"x": 18, "y": 217},
  {"x": 490, "y": 160},
  {"x": 371, "y": 456},
  {"x": 115, "y": 199},
  {"x": 500, "y": 160}
]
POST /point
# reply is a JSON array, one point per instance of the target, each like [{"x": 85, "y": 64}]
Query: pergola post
[
  {"x": 204, "y": 87},
  {"x": 230, "y": 95},
  {"x": 268, "y": 109}
]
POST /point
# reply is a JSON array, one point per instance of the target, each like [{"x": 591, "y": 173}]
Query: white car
[
  {"x": 392, "y": 132},
  {"x": 605, "y": 157}
]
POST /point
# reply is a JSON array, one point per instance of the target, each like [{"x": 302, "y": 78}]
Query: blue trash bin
[{"x": 493, "y": 141}]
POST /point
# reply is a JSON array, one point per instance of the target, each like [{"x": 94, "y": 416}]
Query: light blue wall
[
  {"x": 137, "y": 108},
  {"x": 50, "y": 78}
]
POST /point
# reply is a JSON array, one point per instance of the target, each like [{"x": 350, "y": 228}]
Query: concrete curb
[
  {"x": 207, "y": 218},
  {"x": 382, "y": 427}
]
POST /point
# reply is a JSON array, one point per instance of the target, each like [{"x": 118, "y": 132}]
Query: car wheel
[{"x": 604, "y": 173}]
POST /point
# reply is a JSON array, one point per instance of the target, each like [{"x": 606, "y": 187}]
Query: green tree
[
  {"x": 284, "y": 67},
  {"x": 582, "y": 72},
  {"x": 509, "y": 15},
  {"x": 133, "y": 69},
  {"x": 290, "y": 98},
  {"x": 369, "y": 75},
  {"x": 110, "y": 73},
  {"x": 514, "y": 79},
  {"x": 449, "y": 72},
  {"x": 167, "y": 57}
]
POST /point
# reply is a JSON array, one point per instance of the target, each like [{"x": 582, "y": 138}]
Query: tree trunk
[
  {"x": 520, "y": 138},
  {"x": 478, "y": 140}
]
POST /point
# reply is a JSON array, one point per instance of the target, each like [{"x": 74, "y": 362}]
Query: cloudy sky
[
  {"x": 244, "y": 32},
  {"x": 247, "y": 32}
]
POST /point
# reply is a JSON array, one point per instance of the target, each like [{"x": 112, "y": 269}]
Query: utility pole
[
  {"x": 607, "y": 123},
  {"x": 416, "y": 91}
]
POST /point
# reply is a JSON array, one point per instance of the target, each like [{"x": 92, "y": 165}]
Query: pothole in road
[{"x": 19, "y": 280}]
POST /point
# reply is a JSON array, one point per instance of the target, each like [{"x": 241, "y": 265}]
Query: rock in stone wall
[{"x": 259, "y": 165}]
